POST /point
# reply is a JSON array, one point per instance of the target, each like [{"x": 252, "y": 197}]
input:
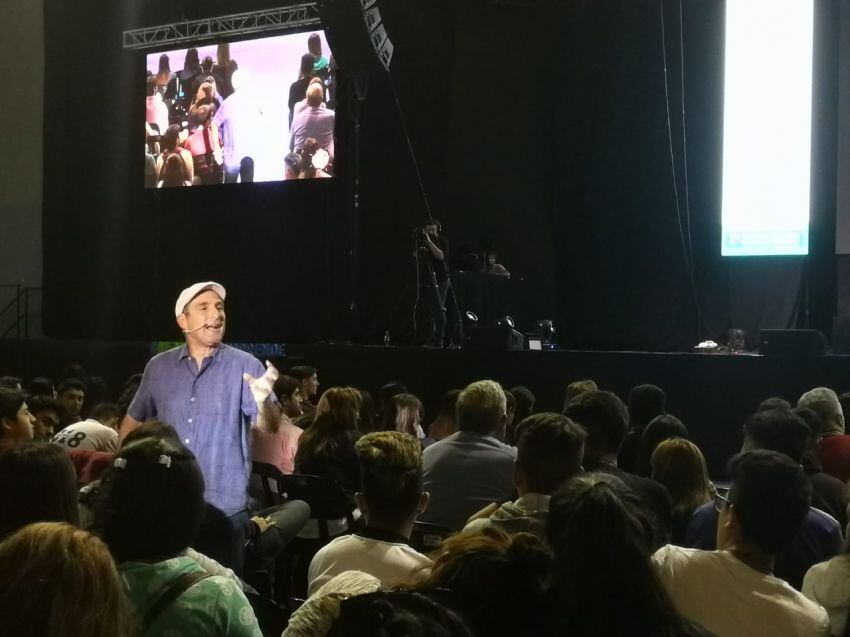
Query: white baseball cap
[{"x": 194, "y": 290}]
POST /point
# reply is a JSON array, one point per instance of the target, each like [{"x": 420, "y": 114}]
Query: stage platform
[{"x": 711, "y": 393}]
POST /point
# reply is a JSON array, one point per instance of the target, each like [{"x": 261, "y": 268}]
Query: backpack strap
[{"x": 169, "y": 595}]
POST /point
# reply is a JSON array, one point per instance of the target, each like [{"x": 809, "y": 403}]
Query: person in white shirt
[
  {"x": 732, "y": 592},
  {"x": 391, "y": 498},
  {"x": 97, "y": 433}
]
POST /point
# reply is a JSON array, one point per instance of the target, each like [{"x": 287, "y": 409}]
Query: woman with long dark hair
[
  {"x": 170, "y": 142},
  {"x": 327, "y": 447},
  {"x": 604, "y": 583}
]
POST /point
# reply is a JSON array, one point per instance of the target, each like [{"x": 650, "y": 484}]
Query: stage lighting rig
[{"x": 227, "y": 26}]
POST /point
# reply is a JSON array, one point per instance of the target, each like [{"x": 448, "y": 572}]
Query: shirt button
[
  {"x": 190, "y": 420},
  {"x": 192, "y": 399},
  {"x": 186, "y": 441}
]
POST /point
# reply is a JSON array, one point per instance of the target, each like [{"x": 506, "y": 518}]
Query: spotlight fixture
[
  {"x": 470, "y": 319},
  {"x": 505, "y": 321},
  {"x": 545, "y": 329}
]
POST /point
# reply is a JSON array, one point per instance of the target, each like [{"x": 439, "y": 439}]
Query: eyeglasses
[{"x": 720, "y": 502}]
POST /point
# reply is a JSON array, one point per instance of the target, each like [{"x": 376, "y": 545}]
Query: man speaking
[{"x": 210, "y": 393}]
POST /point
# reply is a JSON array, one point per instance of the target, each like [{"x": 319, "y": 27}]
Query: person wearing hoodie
[{"x": 549, "y": 452}]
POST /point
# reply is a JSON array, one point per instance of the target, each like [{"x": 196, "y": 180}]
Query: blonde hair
[
  {"x": 390, "y": 473},
  {"x": 679, "y": 465},
  {"x": 481, "y": 406},
  {"x": 58, "y": 580}
]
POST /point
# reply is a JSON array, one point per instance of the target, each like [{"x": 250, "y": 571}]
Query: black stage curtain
[{"x": 541, "y": 130}]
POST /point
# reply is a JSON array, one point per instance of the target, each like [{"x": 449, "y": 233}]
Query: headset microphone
[{"x": 196, "y": 329}]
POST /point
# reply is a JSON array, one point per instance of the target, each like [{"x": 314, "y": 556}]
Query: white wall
[{"x": 21, "y": 112}]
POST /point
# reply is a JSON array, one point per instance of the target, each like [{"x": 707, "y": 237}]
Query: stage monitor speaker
[
  {"x": 493, "y": 339},
  {"x": 348, "y": 36},
  {"x": 841, "y": 334},
  {"x": 792, "y": 343}
]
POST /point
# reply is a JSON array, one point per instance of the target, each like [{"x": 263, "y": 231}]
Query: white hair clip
[
  {"x": 120, "y": 463},
  {"x": 166, "y": 460}
]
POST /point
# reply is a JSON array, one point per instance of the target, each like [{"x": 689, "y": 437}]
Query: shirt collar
[{"x": 183, "y": 352}]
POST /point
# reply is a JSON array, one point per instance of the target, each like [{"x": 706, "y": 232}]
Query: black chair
[
  {"x": 265, "y": 484},
  {"x": 428, "y": 537},
  {"x": 325, "y": 496}
]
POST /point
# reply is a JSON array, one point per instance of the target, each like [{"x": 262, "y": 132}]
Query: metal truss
[{"x": 281, "y": 18}]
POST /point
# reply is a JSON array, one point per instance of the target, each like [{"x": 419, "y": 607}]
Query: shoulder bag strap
[{"x": 174, "y": 590}]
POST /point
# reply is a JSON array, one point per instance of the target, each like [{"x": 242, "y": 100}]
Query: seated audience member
[
  {"x": 397, "y": 614},
  {"x": 314, "y": 160},
  {"x": 327, "y": 447},
  {"x": 175, "y": 173},
  {"x": 828, "y": 584},
  {"x": 204, "y": 143},
  {"x": 406, "y": 416},
  {"x": 601, "y": 538},
  {"x": 829, "y": 494},
  {"x": 548, "y": 453},
  {"x": 151, "y": 508},
  {"x": 510, "y": 414},
  {"x": 658, "y": 430},
  {"x": 575, "y": 388},
  {"x": 445, "y": 424},
  {"x": 42, "y": 387},
  {"x": 471, "y": 468},
  {"x": 818, "y": 539},
  {"x": 834, "y": 454},
  {"x": 679, "y": 465},
  {"x": 10, "y": 382},
  {"x": 844, "y": 401},
  {"x": 71, "y": 393},
  {"x": 46, "y": 411},
  {"x": 491, "y": 578},
  {"x": 278, "y": 444},
  {"x": 308, "y": 377},
  {"x": 316, "y": 121},
  {"x": 170, "y": 145},
  {"x": 16, "y": 422},
  {"x": 37, "y": 484},
  {"x": 774, "y": 402},
  {"x": 316, "y": 616},
  {"x": 645, "y": 403},
  {"x": 524, "y": 403},
  {"x": 391, "y": 497},
  {"x": 97, "y": 392},
  {"x": 733, "y": 591},
  {"x": 91, "y": 434},
  {"x": 604, "y": 417},
  {"x": 292, "y": 166},
  {"x": 58, "y": 580},
  {"x": 156, "y": 112}
]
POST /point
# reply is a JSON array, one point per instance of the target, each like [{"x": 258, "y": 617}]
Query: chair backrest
[
  {"x": 428, "y": 537},
  {"x": 265, "y": 481},
  {"x": 325, "y": 496}
]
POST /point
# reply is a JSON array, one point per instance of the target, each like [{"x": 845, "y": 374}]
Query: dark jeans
[
  {"x": 289, "y": 518},
  {"x": 245, "y": 169},
  {"x": 442, "y": 311},
  {"x": 223, "y": 538}
]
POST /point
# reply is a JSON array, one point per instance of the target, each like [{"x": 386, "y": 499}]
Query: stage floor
[{"x": 711, "y": 393}]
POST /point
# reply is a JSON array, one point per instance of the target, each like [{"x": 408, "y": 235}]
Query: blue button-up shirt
[{"x": 211, "y": 409}]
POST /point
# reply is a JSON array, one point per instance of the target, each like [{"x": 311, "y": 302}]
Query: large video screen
[
  {"x": 767, "y": 127},
  {"x": 240, "y": 112}
]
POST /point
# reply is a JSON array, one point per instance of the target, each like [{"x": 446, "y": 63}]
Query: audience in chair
[
  {"x": 277, "y": 442},
  {"x": 471, "y": 468},
  {"x": 58, "y": 580},
  {"x": 16, "y": 421},
  {"x": 150, "y": 511},
  {"x": 645, "y": 403},
  {"x": 604, "y": 417},
  {"x": 733, "y": 591},
  {"x": 819, "y": 538},
  {"x": 834, "y": 452},
  {"x": 549, "y": 452},
  {"x": 391, "y": 497}
]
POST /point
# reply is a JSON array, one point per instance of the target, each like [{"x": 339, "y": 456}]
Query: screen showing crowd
[{"x": 239, "y": 112}]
